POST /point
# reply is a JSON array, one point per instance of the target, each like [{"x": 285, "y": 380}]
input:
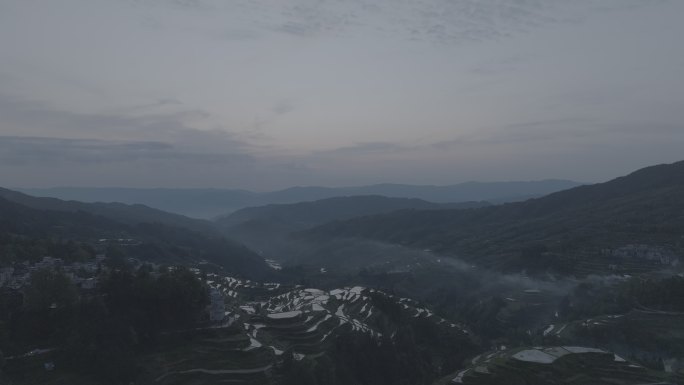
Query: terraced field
[
  {"x": 568, "y": 365},
  {"x": 642, "y": 334},
  {"x": 594, "y": 263},
  {"x": 267, "y": 324}
]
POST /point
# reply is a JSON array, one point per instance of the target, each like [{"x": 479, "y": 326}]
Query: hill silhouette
[
  {"x": 644, "y": 207},
  {"x": 29, "y": 234},
  {"x": 212, "y": 203}
]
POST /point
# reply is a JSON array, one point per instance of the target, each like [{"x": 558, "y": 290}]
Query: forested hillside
[
  {"x": 127, "y": 214},
  {"x": 30, "y": 234},
  {"x": 645, "y": 207}
]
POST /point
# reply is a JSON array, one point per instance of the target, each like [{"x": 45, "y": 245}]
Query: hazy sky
[{"x": 265, "y": 94}]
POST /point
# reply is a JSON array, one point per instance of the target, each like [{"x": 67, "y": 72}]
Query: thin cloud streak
[{"x": 21, "y": 151}]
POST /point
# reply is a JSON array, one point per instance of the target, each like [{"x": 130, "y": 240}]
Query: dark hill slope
[
  {"x": 25, "y": 231},
  {"x": 20, "y": 220},
  {"x": 462, "y": 192},
  {"x": 306, "y": 214},
  {"x": 210, "y": 203},
  {"x": 268, "y": 229},
  {"x": 645, "y": 207},
  {"x": 126, "y": 214}
]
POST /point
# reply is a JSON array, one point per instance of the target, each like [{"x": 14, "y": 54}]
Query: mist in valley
[{"x": 357, "y": 192}]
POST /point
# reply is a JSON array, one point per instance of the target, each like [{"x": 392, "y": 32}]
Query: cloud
[
  {"x": 38, "y": 133},
  {"x": 500, "y": 66},
  {"x": 646, "y": 128},
  {"x": 562, "y": 131},
  {"x": 179, "y": 4},
  {"x": 298, "y": 29},
  {"x": 437, "y": 21},
  {"x": 23, "y": 117},
  {"x": 283, "y": 107},
  {"x": 238, "y": 34},
  {"x": 441, "y": 21},
  {"x": 365, "y": 149},
  {"x": 444, "y": 21},
  {"x": 532, "y": 132},
  {"x": 16, "y": 150},
  {"x": 626, "y": 5},
  {"x": 21, "y": 151}
]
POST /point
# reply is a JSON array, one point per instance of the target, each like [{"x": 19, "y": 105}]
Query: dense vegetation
[
  {"x": 99, "y": 334},
  {"x": 297, "y": 216},
  {"x": 16, "y": 248},
  {"x": 553, "y": 232},
  {"x": 651, "y": 294},
  {"x": 30, "y": 234},
  {"x": 126, "y": 214},
  {"x": 414, "y": 357}
]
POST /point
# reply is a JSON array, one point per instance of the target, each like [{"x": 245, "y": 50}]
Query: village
[{"x": 81, "y": 274}]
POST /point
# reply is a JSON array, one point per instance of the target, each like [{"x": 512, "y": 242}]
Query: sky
[{"x": 267, "y": 94}]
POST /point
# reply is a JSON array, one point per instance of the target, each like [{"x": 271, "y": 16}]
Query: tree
[{"x": 50, "y": 289}]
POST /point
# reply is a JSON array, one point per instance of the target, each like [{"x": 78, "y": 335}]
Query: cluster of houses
[
  {"x": 119, "y": 241},
  {"x": 82, "y": 274},
  {"x": 649, "y": 253}
]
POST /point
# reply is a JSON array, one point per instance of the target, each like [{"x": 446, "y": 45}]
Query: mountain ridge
[
  {"x": 211, "y": 203},
  {"x": 130, "y": 214},
  {"x": 336, "y": 208},
  {"x": 646, "y": 206},
  {"x": 25, "y": 230}
]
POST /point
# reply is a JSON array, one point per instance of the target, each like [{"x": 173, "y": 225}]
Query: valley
[
  {"x": 341, "y": 192},
  {"x": 351, "y": 290}
]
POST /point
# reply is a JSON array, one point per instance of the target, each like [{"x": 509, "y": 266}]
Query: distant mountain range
[
  {"x": 124, "y": 213},
  {"x": 298, "y": 216},
  {"x": 575, "y": 230},
  {"x": 210, "y": 203},
  {"x": 393, "y": 306},
  {"x": 267, "y": 229}
]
